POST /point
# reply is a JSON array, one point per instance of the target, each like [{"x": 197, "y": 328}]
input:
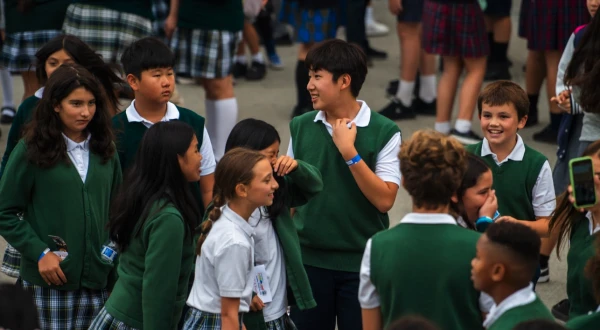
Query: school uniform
[
  {"x": 498, "y": 8},
  {"x": 454, "y": 28},
  {"x": 444, "y": 259},
  {"x": 523, "y": 305},
  {"x": 160, "y": 12},
  {"x": 222, "y": 270},
  {"x": 312, "y": 20},
  {"x": 153, "y": 275},
  {"x": 332, "y": 232},
  {"x": 29, "y": 31},
  {"x": 206, "y": 38},
  {"x": 412, "y": 11},
  {"x": 590, "y": 321},
  {"x": 70, "y": 200},
  {"x": 130, "y": 127},
  {"x": 109, "y": 26}
]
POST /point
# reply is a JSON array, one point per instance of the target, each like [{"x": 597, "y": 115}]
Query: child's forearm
[
  {"x": 230, "y": 322},
  {"x": 380, "y": 193},
  {"x": 371, "y": 319},
  {"x": 539, "y": 225}
]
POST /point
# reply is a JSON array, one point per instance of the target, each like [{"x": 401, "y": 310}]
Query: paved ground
[{"x": 273, "y": 98}]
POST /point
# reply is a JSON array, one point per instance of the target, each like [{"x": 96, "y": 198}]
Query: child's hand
[
  {"x": 49, "y": 268},
  {"x": 170, "y": 25},
  {"x": 395, "y": 6},
  {"x": 344, "y": 137},
  {"x": 507, "y": 219},
  {"x": 572, "y": 197},
  {"x": 285, "y": 165},
  {"x": 257, "y": 304},
  {"x": 490, "y": 206},
  {"x": 563, "y": 100}
]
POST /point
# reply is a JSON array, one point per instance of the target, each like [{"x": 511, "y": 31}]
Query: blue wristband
[
  {"x": 43, "y": 254},
  {"x": 354, "y": 160}
]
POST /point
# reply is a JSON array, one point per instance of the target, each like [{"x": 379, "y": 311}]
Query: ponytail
[{"x": 213, "y": 215}]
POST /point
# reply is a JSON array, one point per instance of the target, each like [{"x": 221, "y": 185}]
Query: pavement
[{"x": 272, "y": 100}]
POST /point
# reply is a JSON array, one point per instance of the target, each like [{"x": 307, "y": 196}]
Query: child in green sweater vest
[
  {"x": 590, "y": 321},
  {"x": 355, "y": 149},
  {"x": 507, "y": 258}
]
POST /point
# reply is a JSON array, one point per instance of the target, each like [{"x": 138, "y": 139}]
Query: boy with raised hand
[
  {"x": 507, "y": 258},
  {"x": 148, "y": 64},
  {"x": 355, "y": 149}
]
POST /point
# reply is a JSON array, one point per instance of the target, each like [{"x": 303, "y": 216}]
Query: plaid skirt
[
  {"x": 11, "y": 262},
  {"x": 199, "y": 320},
  {"x": 282, "y": 323},
  {"x": 207, "y": 54},
  {"x": 549, "y": 23},
  {"x": 105, "y": 321},
  {"x": 68, "y": 310},
  {"x": 160, "y": 10},
  {"x": 454, "y": 30},
  {"x": 310, "y": 25},
  {"x": 18, "y": 51},
  {"x": 106, "y": 31}
]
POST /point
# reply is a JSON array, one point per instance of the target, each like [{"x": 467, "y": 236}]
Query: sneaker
[
  {"x": 376, "y": 29},
  {"x": 425, "y": 108},
  {"x": 8, "y": 114},
  {"x": 376, "y": 54},
  {"x": 275, "y": 62},
  {"x": 256, "y": 71},
  {"x": 497, "y": 71},
  {"x": 547, "y": 135},
  {"x": 466, "y": 138},
  {"x": 395, "y": 110},
  {"x": 544, "y": 275},
  {"x": 239, "y": 70},
  {"x": 561, "y": 310}
]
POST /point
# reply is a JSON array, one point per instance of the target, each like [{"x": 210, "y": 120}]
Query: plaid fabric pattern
[
  {"x": 207, "y": 54},
  {"x": 11, "y": 263},
  {"x": 18, "y": 51},
  {"x": 105, "y": 321},
  {"x": 454, "y": 30},
  {"x": 106, "y": 31},
  {"x": 282, "y": 323},
  {"x": 68, "y": 310},
  {"x": 160, "y": 10},
  {"x": 549, "y": 23},
  {"x": 199, "y": 320},
  {"x": 310, "y": 25}
]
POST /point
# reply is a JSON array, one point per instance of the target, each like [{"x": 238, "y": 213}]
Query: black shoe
[
  {"x": 561, "y": 310},
  {"x": 425, "y": 108},
  {"x": 256, "y": 71},
  {"x": 239, "y": 70},
  {"x": 8, "y": 114},
  {"x": 544, "y": 275},
  {"x": 497, "y": 71},
  {"x": 299, "y": 111},
  {"x": 395, "y": 110},
  {"x": 547, "y": 135},
  {"x": 465, "y": 138},
  {"x": 393, "y": 85},
  {"x": 376, "y": 54},
  {"x": 284, "y": 40}
]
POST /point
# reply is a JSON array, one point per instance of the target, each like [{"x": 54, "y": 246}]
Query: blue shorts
[
  {"x": 412, "y": 11},
  {"x": 498, "y": 8}
]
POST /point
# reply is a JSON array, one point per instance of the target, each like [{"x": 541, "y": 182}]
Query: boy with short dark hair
[
  {"x": 507, "y": 258},
  {"x": 355, "y": 149},
  {"x": 148, "y": 64}
]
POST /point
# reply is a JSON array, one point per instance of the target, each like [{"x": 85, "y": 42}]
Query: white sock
[
  {"x": 428, "y": 89},
  {"x": 241, "y": 59},
  {"x": 462, "y": 125},
  {"x": 369, "y": 15},
  {"x": 7, "y": 88},
  {"x": 221, "y": 116},
  {"x": 405, "y": 92},
  {"x": 258, "y": 57},
  {"x": 443, "y": 127}
]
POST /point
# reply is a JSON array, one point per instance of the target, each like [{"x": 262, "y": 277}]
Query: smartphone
[{"x": 582, "y": 181}]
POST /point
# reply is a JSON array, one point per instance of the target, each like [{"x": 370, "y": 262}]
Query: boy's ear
[
  {"x": 133, "y": 81},
  {"x": 522, "y": 122},
  {"x": 498, "y": 272},
  {"x": 346, "y": 80},
  {"x": 454, "y": 198}
]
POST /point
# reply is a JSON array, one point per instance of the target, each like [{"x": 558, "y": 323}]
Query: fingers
[
  {"x": 61, "y": 275},
  {"x": 285, "y": 165}
]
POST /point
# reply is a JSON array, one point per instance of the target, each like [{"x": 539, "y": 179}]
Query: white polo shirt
[
  {"x": 522, "y": 297},
  {"x": 79, "y": 153}
]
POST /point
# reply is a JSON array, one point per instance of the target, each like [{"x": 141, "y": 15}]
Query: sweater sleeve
[
  {"x": 303, "y": 183},
  {"x": 14, "y": 135},
  {"x": 164, "y": 246},
  {"x": 15, "y": 188}
]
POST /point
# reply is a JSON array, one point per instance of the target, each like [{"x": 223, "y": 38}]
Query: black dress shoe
[
  {"x": 376, "y": 54},
  {"x": 395, "y": 110},
  {"x": 561, "y": 310},
  {"x": 425, "y": 108},
  {"x": 547, "y": 135},
  {"x": 497, "y": 71}
]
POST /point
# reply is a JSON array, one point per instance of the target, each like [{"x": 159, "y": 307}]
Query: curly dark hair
[{"x": 43, "y": 135}]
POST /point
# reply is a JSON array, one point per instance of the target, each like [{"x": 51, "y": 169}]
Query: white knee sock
[
  {"x": 462, "y": 125},
  {"x": 258, "y": 57},
  {"x": 241, "y": 59},
  {"x": 221, "y": 116},
  {"x": 7, "y": 88},
  {"x": 428, "y": 89},
  {"x": 405, "y": 92},
  {"x": 443, "y": 127}
]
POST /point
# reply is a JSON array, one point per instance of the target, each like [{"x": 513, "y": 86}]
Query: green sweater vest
[
  {"x": 129, "y": 135},
  {"x": 22, "y": 117},
  {"x": 514, "y": 181},
  {"x": 587, "y": 322},
  {"x": 223, "y": 15},
  {"x": 532, "y": 311},
  {"x": 154, "y": 272},
  {"x": 141, "y": 8},
  {"x": 56, "y": 202},
  {"x": 44, "y": 15},
  {"x": 425, "y": 270},
  {"x": 335, "y": 225},
  {"x": 579, "y": 287}
]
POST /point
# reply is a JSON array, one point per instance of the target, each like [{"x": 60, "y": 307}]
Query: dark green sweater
[
  {"x": 129, "y": 135},
  {"x": 224, "y": 15},
  {"x": 514, "y": 181},
  {"x": 579, "y": 287},
  {"x": 425, "y": 269},
  {"x": 154, "y": 272},
  {"x": 137, "y": 7},
  {"x": 44, "y": 15},
  {"x": 56, "y": 202},
  {"x": 22, "y": 117},
  {"x": 586, "y": 322},
  {"x": 335, "y": 225},
  {"x": 532, "y": 311}
]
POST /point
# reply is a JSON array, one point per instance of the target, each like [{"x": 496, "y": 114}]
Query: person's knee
[{"x": 219, "y": 88}]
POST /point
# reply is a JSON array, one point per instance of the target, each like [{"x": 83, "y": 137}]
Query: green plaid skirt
[
  {"x": 199, "y": 320},
  {"x": 18, "y": 51},
  {"x": 106, "y": 31},
  {"x": 105, "y": 321},
  {"x": 11, "y": 262}
]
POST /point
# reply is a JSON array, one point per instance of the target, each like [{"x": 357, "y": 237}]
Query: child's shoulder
[
  {"x": 532, "y": 154},
  {"x": 380, "y": 121},
  {"x": 187, "y": 114}
]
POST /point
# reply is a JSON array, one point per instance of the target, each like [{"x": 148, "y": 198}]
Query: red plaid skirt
[
  {"x": 454, "y": 30},
  {"x": 548, "y": 24}
]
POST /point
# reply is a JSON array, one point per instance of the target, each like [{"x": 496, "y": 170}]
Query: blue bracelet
[
  {"x": 43, "y": 254},
  {"x": 354, "y": 160}
]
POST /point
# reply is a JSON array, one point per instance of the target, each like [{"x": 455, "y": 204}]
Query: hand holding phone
[{"x": 583, "y": 186}]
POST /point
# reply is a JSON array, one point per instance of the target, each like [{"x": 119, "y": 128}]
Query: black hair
[
  {"x": 258, "y": 135},
  {"x": 17, "y": 309},
  {"x": 412, "y": 322},
  {"x": 146, "y": 54},
  {"x": 522, "y": 241},
  {"x": 539, "y": 325},
  {"x": 476, "y": 167},
  {"x": 155, "y": 176},
  {"x": 339, "y": 57},
  {"x": 83, "y": 55}
]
